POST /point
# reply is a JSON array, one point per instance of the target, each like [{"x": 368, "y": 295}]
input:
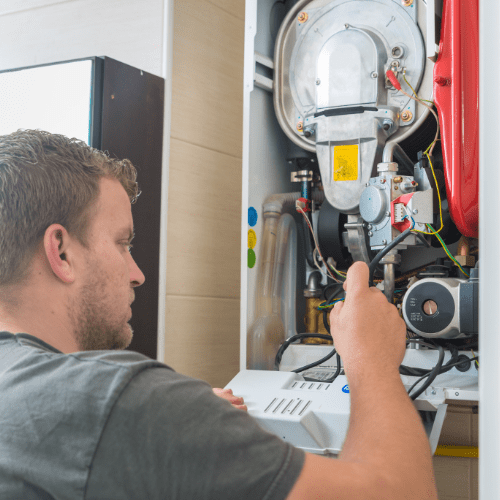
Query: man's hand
[
  {"x": 367, "y": 331},
  {"x": 234, "y": 400}
]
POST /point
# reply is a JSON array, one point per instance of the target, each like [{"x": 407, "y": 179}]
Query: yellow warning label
[
  {"x": 345, "y": 163},
  {"x": 252, "y": 238}
]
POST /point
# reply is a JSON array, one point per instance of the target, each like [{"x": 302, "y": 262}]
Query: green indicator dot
[{"x": 251, "y": 258}]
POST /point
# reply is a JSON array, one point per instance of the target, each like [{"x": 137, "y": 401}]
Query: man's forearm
[{"x": 386, "y": 432}]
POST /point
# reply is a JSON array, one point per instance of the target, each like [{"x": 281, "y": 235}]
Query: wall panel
[
  {"x": 126, "y": 30},
  {"x": 207, "y": 100},
  {"x": 201, "y": 338}
]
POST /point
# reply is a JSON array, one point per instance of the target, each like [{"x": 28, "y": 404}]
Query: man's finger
[
  {"x": 335, "y": 312},
  {"x": 357, "y": 279}
]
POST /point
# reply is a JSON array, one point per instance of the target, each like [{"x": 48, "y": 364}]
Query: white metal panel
[
  {"x": 489, "y": 242},
  {"x": 265, "y": 171},
  {"x": 168, "y": 43}
]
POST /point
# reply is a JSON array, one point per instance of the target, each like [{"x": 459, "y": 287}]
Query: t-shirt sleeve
[{"x": 169, "y": 437}]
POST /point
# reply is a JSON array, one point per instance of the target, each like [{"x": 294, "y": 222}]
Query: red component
[
  {"x": 456, "y": 95},
  {"x": 393, "y": 79},
  {"x": 304, "y": 204},
  {"x": 404, "y": 199}
]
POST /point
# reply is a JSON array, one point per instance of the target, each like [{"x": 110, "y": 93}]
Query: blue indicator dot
[
  {"x": 345, "y": 389},
  {"x": 252, "y": 216}
]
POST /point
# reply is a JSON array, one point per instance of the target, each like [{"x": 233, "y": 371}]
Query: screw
[
  {"x": 303, "y": 17},
  {"x": 387, "y": 124},
  {"x": 308, "y": 131},
  {"x": 415, "y": 211},
  {"x": 433, "y": 392},
  {"x": 370, "y": 233},
  {"x": 384, "y": 242},
  {"x": 369, "y": 226},
  {"x": 406, "y": 116},
  {"x": 318, "y": 81},
  {"x": 457, "y": 394},
  {"x": 374, "y": 74},
  {"x": 300, "y": 126},
  {"x": 395, "y": 188},
  {"x": 387, "y": 214},
  {"x": 382, "y": 181},
  {"x": 407, "y": 3}
]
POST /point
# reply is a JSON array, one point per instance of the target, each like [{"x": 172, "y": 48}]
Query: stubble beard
[{"x": 93, "y": 329}]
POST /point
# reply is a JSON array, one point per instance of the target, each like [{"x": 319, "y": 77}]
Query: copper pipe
[{"x": 463, "y": 246}]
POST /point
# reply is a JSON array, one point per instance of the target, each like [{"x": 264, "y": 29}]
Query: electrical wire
[
  {"x": 328, "y": 266},
  {"x": 430, "y": 376},
  {"x": 439, "y": 196},
  {"x": 331, "y": 304},
  {"x": 393, "y": 79},
  {"x": 284, "y": 346},
  {"x": 396, "y": 241},
  {"x": 448, "y": 252},
  {"x": 316, "y": 363},
  {"x": 293, "y": 338},
  {"x": 474, "y": 354},
  {"x": 331, "y": 285},
  {"x": 449, "y": 366},
  {"x": 428, "y": 152}
]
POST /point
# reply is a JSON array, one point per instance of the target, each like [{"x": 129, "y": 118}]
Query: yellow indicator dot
[{"x": 252, "y": 238}]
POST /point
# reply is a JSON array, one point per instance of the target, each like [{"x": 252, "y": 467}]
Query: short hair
[{"x": 49, "y": 179}]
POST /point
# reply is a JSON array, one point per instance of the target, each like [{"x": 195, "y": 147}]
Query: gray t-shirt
[{"x": 118, "y": 425}]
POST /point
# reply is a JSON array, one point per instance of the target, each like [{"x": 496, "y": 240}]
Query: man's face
[{"x": 101, "y": 310}]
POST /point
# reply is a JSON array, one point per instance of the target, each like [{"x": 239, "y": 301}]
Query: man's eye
[{"x": 129, "y": 246}]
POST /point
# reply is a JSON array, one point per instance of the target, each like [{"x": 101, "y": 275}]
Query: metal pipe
[
  {"x": 392, "y": 148},
  {"x": 389, "y": 281}
]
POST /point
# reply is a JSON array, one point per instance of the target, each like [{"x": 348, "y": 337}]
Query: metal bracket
[
  {"x": 262, "y": 81},
  {"x": 357, "y": 238}
]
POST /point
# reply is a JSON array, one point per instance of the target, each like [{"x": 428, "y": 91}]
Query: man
[{"x": 81, "y": 418}]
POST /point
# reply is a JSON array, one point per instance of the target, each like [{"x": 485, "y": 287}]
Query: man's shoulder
[{"x": 31, "y": 361}]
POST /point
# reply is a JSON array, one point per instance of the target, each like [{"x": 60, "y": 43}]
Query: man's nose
[{"x": 137, "y": 278}]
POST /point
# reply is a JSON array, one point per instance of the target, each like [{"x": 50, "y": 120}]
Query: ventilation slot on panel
[
  {"x": 309, "y": 386},
  {"x": 285, "y": 406}
]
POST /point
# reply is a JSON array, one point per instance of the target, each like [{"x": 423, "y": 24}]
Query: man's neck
[{"x": 39, "y": 313}]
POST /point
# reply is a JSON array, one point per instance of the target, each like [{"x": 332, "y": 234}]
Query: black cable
[
  {"x": 417, "y": 372},
  {"x": 396, "y": 241},
  {"x": 449, "y": 366},
  {"x": 316, "y": 363},
  {"x": 327, "y": 287},
  {"x": 325, "y": 321},
  {"x": 299, "y": 336},
  {"x": 328, "y": 380},
  {"x": 430, "y": 376}
]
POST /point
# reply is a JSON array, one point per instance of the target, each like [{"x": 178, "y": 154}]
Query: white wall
[
  {"x": 43, "y": 31},
  {"x": 135, "y": 32}
]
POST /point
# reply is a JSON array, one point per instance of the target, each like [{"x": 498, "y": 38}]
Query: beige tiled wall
[
  {"x": 204, "y": 207},
  {"x": 457, "y": 478}
]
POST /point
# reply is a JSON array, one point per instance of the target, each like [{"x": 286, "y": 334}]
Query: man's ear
[{"x": 56, "y": 242}]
